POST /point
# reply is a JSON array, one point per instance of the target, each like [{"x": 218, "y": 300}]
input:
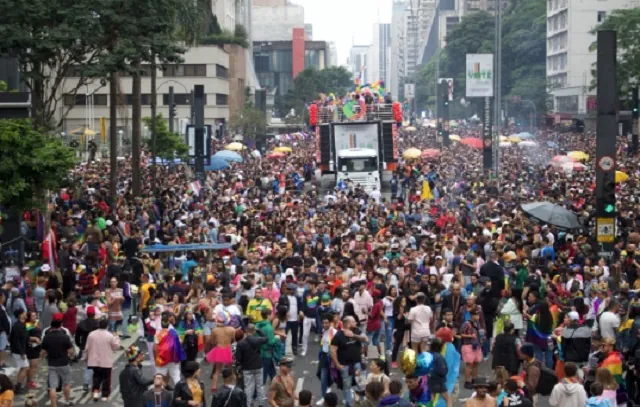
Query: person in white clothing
[
  {"x": 421, "y": 319},
  {"x": 610, "y": 321},
  {"x": 568, "y": 392},
  {"x": 363, "y": 304}
]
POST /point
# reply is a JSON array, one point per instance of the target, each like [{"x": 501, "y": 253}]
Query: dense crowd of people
[{"x": 445, "y": 274}]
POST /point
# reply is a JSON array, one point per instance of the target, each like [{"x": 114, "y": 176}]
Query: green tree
[
  {"x": 627, "y": 24},
  {"x": 31, "y": 163},
  {"x": 49, "y": 38},
  {"x": 168, "y": 145},
  {"x": 336, "y": 80},
  {"x": 250, "y": 122},
  {"x": 3, "y": 86}
]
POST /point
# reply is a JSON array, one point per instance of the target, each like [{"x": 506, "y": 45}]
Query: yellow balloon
[{"x": 408, "y": 362}]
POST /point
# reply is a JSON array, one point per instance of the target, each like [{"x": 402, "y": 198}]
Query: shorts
[
  {"x": 374, "y": 337},
  {"x": 3, "y": 341},
  {"x": 20, "y": 362},
  {"x": 470, "y": 355},
  {"x": 420, "y": 339},
  {"x": 437, "y": 388},
  {"x": 58, "y": 374}
]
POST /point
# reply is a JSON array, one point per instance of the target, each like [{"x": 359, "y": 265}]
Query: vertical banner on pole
[{"x": 487, "y": 134}]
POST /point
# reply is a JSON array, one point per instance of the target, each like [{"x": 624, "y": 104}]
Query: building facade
[
  {"x": 278, "y": 62},
  {"x": 569, "y": 61},
  {"x": 396, "y": 65},
  {"x": 332, "y": 58},
  {"x": 380, "y": 52},
  {"x": 359, "y": 61},
  {"x": 275, "y": 21},
  {"x": 203, "y": 65}
]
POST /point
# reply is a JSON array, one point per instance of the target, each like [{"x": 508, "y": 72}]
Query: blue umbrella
[
  {"x": 228, "y": 156},
  {"x": 525, "y": 135},
  {"x": 552, "y": 144},
  {"x": 217, "y": 164}
]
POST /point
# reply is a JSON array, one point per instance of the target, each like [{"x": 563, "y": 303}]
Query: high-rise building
[
  {"x": 276, "y": 20},
  {"x": 398, "y": 41},
  {"x": 569, "y": 61},
  {"x": 359, "y": 61},
  {"x": 332, "y": 54},
  {"x": 308, "y": 32},
  {"x": 380, "y": 53},
  {"x": 473, "y": 6}
]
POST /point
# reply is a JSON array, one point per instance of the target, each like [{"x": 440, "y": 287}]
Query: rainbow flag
[
  {"x": 169, "y": 349},
  {"x": 198, "y": 331},
  {"x": 535, "y": 335},
  {"x": 613, "y": 363},
  {"x": 555, "y": 313}
]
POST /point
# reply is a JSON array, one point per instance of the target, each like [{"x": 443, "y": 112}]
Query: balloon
[
  {"x": 424, "y": 363},
  {"x": 408, "y": 361}
]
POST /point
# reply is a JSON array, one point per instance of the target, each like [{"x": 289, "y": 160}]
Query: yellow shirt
[
  {"x": 255, "y": 307},
  {"x": 7, "y": 395},
  {"x": 144, "y": 293},
  {"x": 196, "y": 391}
]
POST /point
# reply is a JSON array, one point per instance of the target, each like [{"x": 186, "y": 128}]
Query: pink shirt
[{"x": 100, "y": 347}]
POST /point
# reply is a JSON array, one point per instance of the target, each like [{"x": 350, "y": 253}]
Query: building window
[
  {"x": 261, "y": 62},
  {"x": 179, "y": 99},
  {"x": 222, "y": 72},
  {"x": 185, "y": 70},
  {"x": 81, "y": 99},
  {"x": 146, "y": 99},
  {"x": 602, "y": 15},
  {"x": 222, "y": 100},
  {"x": 567, "y": 104}
]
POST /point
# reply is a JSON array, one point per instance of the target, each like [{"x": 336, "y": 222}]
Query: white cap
[
  {"x": 45, "y": 267},
  {"x": 574, "y": 316}
]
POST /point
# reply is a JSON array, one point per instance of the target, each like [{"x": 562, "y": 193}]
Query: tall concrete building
[
  {"x": 473, "y": 6},
  {"x": 275, "y": 20},
  {"x": 359, "y": 61},
  {"x": 569, "y": 61},
  {"x": 308, "y": 32},
  {"x": 398, "y": 41},
  {"x": 332, "y": 54},
  {"x": 380, "y": 53}
]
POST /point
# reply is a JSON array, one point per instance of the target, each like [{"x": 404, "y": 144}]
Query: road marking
[
  {"x": 114, "y": 392},
  {"x": 299, "y": 385}
]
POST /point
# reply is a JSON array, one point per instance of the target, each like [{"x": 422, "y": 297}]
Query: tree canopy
[
  {"x": 523, "y": 55},
  {"x": 627, "y": 24},
  {"x": 30, "y": 163},
  {"x": 311, "y": 82},
  {"x": 168, "y": 145}
]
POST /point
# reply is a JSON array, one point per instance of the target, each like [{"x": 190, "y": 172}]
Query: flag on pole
[
  {"x": 347, "y": 109},
  {"x": 426, "y": 195}
]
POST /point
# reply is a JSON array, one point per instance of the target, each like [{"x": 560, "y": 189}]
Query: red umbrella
[
  {"x": 276, "y": 156},
  {"x": 573, "y": 167},
  {"x": 472, "y": 142},
  {"x": 562, "y": 159},
  {"x": 430, "y": 153}
]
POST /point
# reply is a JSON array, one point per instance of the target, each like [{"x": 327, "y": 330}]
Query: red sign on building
[
  {"x": 297, "y": 51},
  {"x": 592, "y": 104}
]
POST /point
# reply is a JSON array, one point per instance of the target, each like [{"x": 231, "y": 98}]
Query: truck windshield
[{"x": 357, "y": 164}]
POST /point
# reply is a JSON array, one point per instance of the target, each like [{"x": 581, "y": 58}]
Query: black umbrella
[{"x": 552, "y": 214}]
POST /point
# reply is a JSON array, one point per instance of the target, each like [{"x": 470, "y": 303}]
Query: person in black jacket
[
  {"x": 505, "y": 350},
  {"x": 229, "y": 395},
  {"x": 183, "y": 395},
  {"x": 5, "y": 327},
  {"x": 18, "y": 343},
  {"x": 250, "y": 363},
  {"x": 132, "y": 384}
]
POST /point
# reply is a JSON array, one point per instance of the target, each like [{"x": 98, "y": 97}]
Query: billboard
[
  {"x": 356, "y": 136},
  {"x": 409, "y": 90},
  {"x": 479, "y": 75}
]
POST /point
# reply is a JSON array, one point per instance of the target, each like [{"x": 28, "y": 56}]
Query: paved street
[{"x": 304, "y": 371}]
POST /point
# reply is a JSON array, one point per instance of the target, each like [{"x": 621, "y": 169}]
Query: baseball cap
[
  {"x": 574, "y": 316},
  {"x": 91, "y": 311},
  {"x": 58, "y": 317}
]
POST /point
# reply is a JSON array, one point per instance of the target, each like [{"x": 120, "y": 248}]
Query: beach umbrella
[
  {"x": 621, "y": 177},
  {"x": 276, "y": 155},
  {"x": 504, "y": 138},
  {"x": 235, "y": 146},
  {"x": 504, "y": 144},
  {"x": 430, "y": 153},
  {"x": 410, "y": 128},
  {"x": 562, "y": 159},
  {"x": 228, "y": 155},
  {"x": 525, "y": 135},
  {"x": 552, "y": 214},
  {"x": 283, "y": 150},
  {"x": 528, "y": 143},
  {"x": 579, "y": 155},
  {"x": 217, "y": 164},
  {"x": 454, "y": 137},
  {"x": 472, "y": 142},
  {"x": 570, "y": 167},
  {"x": 411, "y": 153},
  {"x": 552, "y": 144},
  {"x": 514, "y": 138}
]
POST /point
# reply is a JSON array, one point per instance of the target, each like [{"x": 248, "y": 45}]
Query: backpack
[{"x": 548, "y": 379}]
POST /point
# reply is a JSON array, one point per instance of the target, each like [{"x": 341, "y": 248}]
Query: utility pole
[
  {"x": 154, "y": 105},
  {"x": 498, "y": 85},
  {"x": 199, "y": 131},
  {"x": 606, "y": 131},
  {"x": 172, "y": 109},
  {"x": 635, "y": 124}
]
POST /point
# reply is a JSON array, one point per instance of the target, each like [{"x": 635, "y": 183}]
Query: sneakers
[
  {"x": 304, "y": 353},
  {"x": 33, "y": 385},
  {"x": 394, "y": 365},
  {"x": 96, "y": 396},
  {"x": 320, "y": 402},
  {"x": 103, "y": 399}
]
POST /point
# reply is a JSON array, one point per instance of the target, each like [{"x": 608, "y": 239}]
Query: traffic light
[
  {"x": 609, "y": 195},
  {"x": 172, "y": 110}
]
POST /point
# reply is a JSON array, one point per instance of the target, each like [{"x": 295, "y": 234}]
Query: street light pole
[{"x": 498, "y": 84}]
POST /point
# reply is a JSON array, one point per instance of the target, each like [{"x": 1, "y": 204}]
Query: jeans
[
  {"x": 253, "y": 381},
  {"x": 324, "y": 380},
  {"x": 293, "y": 327},
  {"x": 388, "y": 334},
  {"x": 88, "y": 376},
  {"x": 307, "y": 323},
  {"x": 346, "y": 384},
  {"x": 544, "y": 356},
  {"x": 113, "y": 326},
  {"x": 126, "y": 313},
  {"x": 268, "y": 371}
]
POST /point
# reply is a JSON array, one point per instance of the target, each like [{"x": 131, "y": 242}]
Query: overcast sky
[{"x": 345, "y": 22}]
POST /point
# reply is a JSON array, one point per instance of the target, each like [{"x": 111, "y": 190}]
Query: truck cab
[{"x": 361, "y": 166}]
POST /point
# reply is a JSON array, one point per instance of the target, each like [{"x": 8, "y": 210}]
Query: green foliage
[
  {"x": 523, "y": 56},
  {"x": 168, "y": 145},
  {"x": 627, "y": 24},
  {"x": 3, "y": 86},
  {"x": 249, "y": 122},
  {"x": 30, "y": 163},
  {"x": 310, "y": 83},
  {"x": 225, "y": 38}
]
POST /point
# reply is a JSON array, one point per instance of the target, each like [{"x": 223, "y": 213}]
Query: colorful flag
[
  {"x": 426, "y": 195},
  {"x": 535, "y": 335},
  {"x": 347, "y": 110},
  {"x": 613, "y": 363}
]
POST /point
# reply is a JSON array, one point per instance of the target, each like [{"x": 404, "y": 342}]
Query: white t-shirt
[
  {"x": 293, "y": 308},
  {"x": 420, "y": 317},
  {"x": 609, "y": 324}
]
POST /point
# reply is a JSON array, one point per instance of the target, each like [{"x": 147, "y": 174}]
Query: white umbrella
[
  {"x": 504, "y": 144},
  {"x": 528, "y": 143}
]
